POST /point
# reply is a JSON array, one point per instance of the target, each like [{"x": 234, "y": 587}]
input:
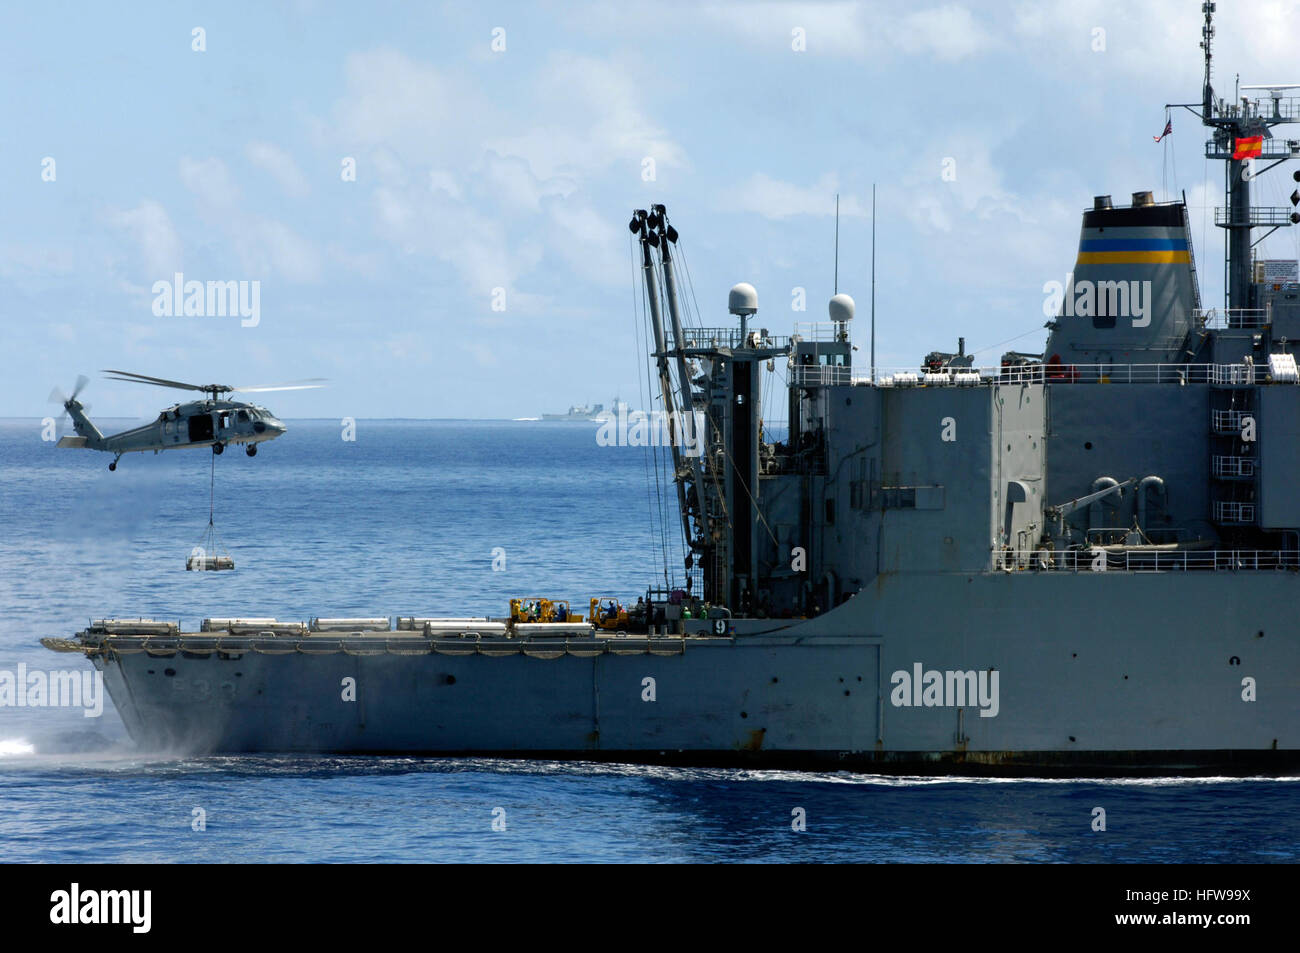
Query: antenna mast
[
  {"x": 1241, "y": 133},
  {"x": 1207, "y": 35},
  {"x": 873, "y": 282},
  {"x": 837, "y": 244}
]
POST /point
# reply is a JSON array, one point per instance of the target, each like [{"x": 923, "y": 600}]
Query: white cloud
[
  {"x": 947, "y": 33},
  {"x": 840, "y": 29},
  {"x": 774, "y": 199},
  {"x": 263, "y": 245},
  {"x": 155, "y": 236},
  {"x": 586, "y": 116},
  {"x": 440, "y": 180},
  {"x": 366, "y": 264},
  {"x": 1160, "y": 37},
  {"x": 424, "y": 222},
  {"x": 874, "y": 31},
  {"x": 282, "y": 250},
  {"x": 280, "y": 165},
  {"x": 589, "y": 243},
  {"x": 211, "y": 184},
  {"x": 392, "y": 99},
  {"x": 514, "y": 185},
  {"x": 403, "y": 114},
  {"x": 447, "y": 183}
]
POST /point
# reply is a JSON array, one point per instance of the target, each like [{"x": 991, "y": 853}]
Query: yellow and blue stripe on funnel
[{"x": 1133, "y": 251}]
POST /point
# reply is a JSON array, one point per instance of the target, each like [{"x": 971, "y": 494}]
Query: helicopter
[{"x": 213, "y": 421}]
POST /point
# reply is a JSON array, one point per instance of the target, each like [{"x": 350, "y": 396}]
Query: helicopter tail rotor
[
  {"x": 58, "y": 397},
  {"x": 88, "y": 435}
]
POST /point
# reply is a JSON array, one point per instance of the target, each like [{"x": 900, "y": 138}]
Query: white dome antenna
[
  {"x": 842, "y": 308},
  {"x": 743, "y": 299}
]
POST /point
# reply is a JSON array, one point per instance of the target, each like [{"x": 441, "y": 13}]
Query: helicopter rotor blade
[
  {"x": 306, "y": 384},
  {"x": 133, "y": 378}
]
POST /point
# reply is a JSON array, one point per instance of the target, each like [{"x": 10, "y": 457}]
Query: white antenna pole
[
  {"x": 873, "y": 282},
  {"x": 837, "y": 244}
]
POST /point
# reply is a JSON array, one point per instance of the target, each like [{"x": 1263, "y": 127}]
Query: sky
[{"x": 478, "y": 263}]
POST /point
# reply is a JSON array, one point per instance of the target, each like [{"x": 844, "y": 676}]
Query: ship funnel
[
  {"x": 743, "y": 299},
  {"x": 1132, "y": 292}
]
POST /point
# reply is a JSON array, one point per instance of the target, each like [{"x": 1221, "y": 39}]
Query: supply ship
[{"x": 1075, "y": 562}]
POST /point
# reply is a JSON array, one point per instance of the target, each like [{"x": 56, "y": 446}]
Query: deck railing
[
  {"x": 708, "y": 338},
  {"x": 1071, "y": 374},
  {"x": 1220, "y": 319},
  {"x": 1202, "y": 560}
]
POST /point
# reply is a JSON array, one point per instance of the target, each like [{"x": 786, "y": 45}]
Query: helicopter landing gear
[
  {"x": 218, "y": 448},
  {"x": 251, "y": 450},
  {"x": 113, "y": 465}
]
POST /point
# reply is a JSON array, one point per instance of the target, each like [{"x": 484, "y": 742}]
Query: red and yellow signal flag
[{"x": 1248, "y": 148}]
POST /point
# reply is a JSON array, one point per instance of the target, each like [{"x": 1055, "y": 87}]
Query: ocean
[{"x": 406, "y": 519}]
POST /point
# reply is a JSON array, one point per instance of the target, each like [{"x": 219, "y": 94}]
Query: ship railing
[
  {"x": 708, "y": 338},
  {"x": 1269, "y": 149},
  {"x": 1230, "y": 421},
  {"x": 1261, "y": 215},
  {"x": 1228, "y": 468},
  {"x": 1153, "y": 560},
  {"x": 1259, "y": 107},
  {"x": 1220, "y": 319},
  {"x": 1238, "y": 373},
  {"x": 1066, "y": 374},
  {"x": 1234, "y": 513},
  {"x": 821, "y": 331},
  {"x": 820, "y": 375}
]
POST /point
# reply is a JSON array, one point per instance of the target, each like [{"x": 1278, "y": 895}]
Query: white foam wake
[{"x": 10, "y": 747}]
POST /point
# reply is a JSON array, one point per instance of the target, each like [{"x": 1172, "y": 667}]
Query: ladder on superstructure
[{"x": 1191, "y": 256}]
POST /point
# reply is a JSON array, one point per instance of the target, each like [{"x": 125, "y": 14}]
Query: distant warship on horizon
[{"x": 584, "y": 412}]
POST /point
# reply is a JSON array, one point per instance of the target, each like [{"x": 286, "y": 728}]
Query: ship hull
[{"x": 1184, "y": 672}]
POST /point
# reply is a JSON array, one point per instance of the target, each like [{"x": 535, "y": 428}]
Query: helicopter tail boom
[{"x": 88, "y": 435}]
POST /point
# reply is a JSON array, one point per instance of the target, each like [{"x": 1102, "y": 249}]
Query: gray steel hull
[{"x": 1154, "y": 682}]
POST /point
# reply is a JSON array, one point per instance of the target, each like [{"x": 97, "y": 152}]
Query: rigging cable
[
  {"x": 665, "y": 460},
  {"x": 994, "y": 347}
]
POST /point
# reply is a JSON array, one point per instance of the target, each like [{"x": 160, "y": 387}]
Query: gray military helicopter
[{"x": 213, "y": 421}]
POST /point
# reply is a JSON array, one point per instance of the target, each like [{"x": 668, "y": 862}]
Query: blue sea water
[{"x": 404, "y": 520}]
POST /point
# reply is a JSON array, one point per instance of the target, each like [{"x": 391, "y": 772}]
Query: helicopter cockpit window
[{"x": 243, "y": 416}]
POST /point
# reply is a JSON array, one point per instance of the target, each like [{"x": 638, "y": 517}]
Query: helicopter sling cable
[{"x": 209, "y": 554}]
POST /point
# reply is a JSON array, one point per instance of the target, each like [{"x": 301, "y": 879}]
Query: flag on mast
[
  {"x": 1249, "y": 147},
  {"x": 1169, "y": 128}
]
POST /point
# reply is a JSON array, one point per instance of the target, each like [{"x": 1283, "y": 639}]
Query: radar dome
[
  {"x": 743, "y": 299},
  {"x": 841, "y": 308}
]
